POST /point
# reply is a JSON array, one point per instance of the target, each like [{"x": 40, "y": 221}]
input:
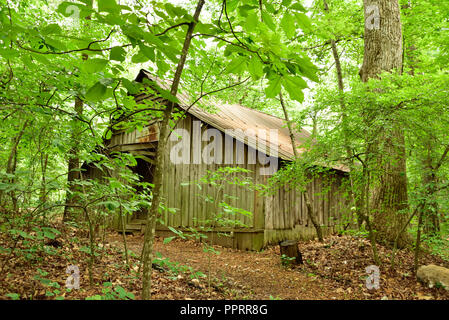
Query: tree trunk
[
  {"x": 309, "y": 207},
  {"x": 383, "y": 52},
  {"x": 73, "y": 166},
  {"x": 431, "y": 221},
  {"x": 12, "y": 165},
  {"x": 357, "y": 195},
  {"x": 160, "y": 165}
]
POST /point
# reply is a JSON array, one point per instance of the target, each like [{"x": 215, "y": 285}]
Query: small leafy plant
[
  {"x": 111, "y": 292},
  {"x": 286, "y": 261}
]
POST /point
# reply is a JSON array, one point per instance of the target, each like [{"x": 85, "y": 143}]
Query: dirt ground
[
  {"x": 36, "y": 270},
  {"x": 333, "y": 270}
]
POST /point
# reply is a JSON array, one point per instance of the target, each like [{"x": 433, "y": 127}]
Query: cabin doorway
[{"x": 145, "y": 170}]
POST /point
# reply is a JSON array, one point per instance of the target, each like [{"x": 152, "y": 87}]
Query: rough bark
[
  {"x": 383, "y": 52},
  {"x": 431, "y": 222},
  {"x": 310, "y": 213},
  {"x": 160, "y": 165},
  {"x": 12, "y": 163},
  {"x": 73, "y": 167}
]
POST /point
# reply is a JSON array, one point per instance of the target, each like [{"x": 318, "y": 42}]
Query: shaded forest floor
[{"x": 334, "y": 270}]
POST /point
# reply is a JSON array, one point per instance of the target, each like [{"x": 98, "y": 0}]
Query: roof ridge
[
  {"x": 260, "y": 111},
  {"x": 237, "y": 104}
]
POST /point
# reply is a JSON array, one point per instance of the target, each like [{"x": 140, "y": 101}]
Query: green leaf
[
  {"x": 169, "y": 239},
  {"x": 120, "y": 291},
  {"x": 94, "y": 65},
  {"x": 117, "y": 54},
  {"x": 255, "y": 68},
  {"x": 297, "y": 82},
  {"x": 13, "y": 296},
  {"x": 139, "y": 58},
  {"x": 51, "y": 29},
  {"x": 132, "y": 87},
  {"x": 307, "y": 68},
  {"x": 252, "y": 21},
  {"x": 274, "y": 87},
  {"x": 130, "y": 295},
  {"x": 237, "y": 65},
  {"x": 151, "y": 38},
  {"x": 162, "y": 66},
  {"x": 174, "y": 11},
  {"x": 96, "y": 92},
  {"x": 294, "y": 86},
  {"x": 245, "y": 9},
  {"x": 303, "y": 21},
  {"x": 147, "y": 52},
  {"x": 295, "y": 94},
  {"x": 288, "y": 25},
  {"x": 111, "y": 205},
  {"x": 68, "y": 9},
  {"x": 113, "y": 19},
  {"x": 166, "y": 94},
  {"x": 133, "y": 32},
  {"x": 108, "y": 6},
  {"x": 8, "y": 53},
  {"x": 49, "y": 234},
  {"x": 74, "y": 10},
  {"x": 298, "y": 6},
  {"x": 268, "y": 20}
]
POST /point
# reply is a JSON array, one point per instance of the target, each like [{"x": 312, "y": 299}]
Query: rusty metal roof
[{"x": 234, "y": 116}]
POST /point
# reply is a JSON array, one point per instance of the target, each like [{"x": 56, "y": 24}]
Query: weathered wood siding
[
  {"x": 286, "y": 211},
  {"x": 275, "y": 218},
  {"x": 187, "y": 199}
]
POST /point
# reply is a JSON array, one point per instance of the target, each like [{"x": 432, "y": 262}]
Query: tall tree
[
  {"x": 160, "y": 165},
  {"x": 383, "y": 52},
  {"x": 73, "y": 165}
]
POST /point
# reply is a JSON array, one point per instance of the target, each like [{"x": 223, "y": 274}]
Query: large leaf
[
  {"x": 132, "y": 87},
  {"x": 237, "y": 65},
  {"x": 288, "y": 25},
  {"x": 294, "y": 86},
  {"x": 74, "y": 10},
  {"x": 139, "y": 58},
  {"x": 117, "y": 54},
  {"x": 251, "y": 21},
  {"x": 255, "y": 68},
  {"x": 51, "y": 29},
  {"x": 148, "y": 52},
  {"x": 274, "y": 87},
  {"x": 297, "y": 82},
  {"x": 303, "y": 21},
  {"x": 96, "y": 92},
  {"x": 268, "y": 20},
  {"x": 94, "y": 65},
  {"x": 108, "y": 6}
]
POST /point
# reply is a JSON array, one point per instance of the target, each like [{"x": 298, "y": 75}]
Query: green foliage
[
  {"x": 286, "y": 261},
  {"x": 175, "y": 268},
  {"x": 13, "y": 296},
  {"x": 54, "y": 55},
  {"x": 53, "y": 287},
  {"x": 111, "y": 292}
]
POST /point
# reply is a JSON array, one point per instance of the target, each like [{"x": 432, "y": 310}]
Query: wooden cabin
[{"x": 242, "y": 137}]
